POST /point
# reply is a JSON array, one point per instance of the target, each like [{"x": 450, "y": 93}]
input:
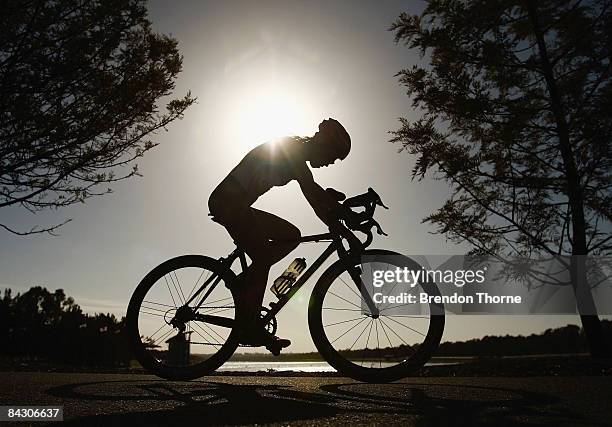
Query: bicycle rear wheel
[
  {"x": 366, "y": 347},
  {"x": 180, "y": 341}
]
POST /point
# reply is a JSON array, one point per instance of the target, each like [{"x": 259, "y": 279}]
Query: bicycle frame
[
  {"x": 275, "y": 307},
  {"x": 335, "y": 245}
]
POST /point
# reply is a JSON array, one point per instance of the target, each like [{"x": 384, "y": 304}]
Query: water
[{"x": 284, "y": 366}]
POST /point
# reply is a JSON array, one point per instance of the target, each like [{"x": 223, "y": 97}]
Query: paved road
[{"x": 115, "y": 399}]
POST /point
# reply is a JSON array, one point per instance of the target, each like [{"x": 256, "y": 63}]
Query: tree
[
  {"x": 80, "y": 82},
  {"x": 516, "y": 100},
  {"x": 48, "y": 326}
]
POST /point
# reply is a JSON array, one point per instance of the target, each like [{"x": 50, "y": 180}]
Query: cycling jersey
[{"x": 268, "y": 165}]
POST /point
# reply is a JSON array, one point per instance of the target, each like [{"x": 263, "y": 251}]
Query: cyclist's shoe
[
  {"x": 277, "y": 344},
  {"x": 263, "y": 338}
]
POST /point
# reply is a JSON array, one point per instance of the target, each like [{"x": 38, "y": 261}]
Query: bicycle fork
[{"x": 355, "y": 273}]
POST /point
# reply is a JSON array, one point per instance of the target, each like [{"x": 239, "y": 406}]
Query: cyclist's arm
[{"x": 325, "y": 207}]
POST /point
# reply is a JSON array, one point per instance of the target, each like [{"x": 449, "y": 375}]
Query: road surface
[{"x": 131, "y": 400}]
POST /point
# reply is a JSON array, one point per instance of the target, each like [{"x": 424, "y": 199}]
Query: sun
[{"x": 265, "y": 114}]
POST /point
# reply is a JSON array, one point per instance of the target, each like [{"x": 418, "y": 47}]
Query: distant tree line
[
  {"x": 565, "y": 340},
  {"x": 568, "y": 339},
  {"x": 43, "y": 326}
]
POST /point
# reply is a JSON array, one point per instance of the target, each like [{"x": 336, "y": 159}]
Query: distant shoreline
[
  {"x": 307, "y": 357},
  {"x": 521, "y": 366}
]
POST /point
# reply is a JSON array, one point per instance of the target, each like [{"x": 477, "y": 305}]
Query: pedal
[{"x": 277, "y": 345}]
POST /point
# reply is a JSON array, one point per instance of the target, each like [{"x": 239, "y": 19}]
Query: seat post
[
  {"x": 229, "y": 260},
  {"x": 242, "y": 257}
]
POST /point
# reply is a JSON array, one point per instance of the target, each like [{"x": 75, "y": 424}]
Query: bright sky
[{"x": 259, "y": 70}]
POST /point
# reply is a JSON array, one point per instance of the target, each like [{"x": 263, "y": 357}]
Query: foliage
[
  {"x": 42, "y": 325},
  {"x": 81, "y": 82},
  {"x": 516, "y": 99},
  {"x": 520, "y": 129}
]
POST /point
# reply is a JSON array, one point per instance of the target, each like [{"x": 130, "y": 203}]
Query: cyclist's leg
[
  {"x": 284, "y": 235},
  {"x": 251, "y": 228},
  {"x": 253, "y": 233}
]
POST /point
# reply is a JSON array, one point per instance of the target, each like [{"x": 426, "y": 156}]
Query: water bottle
[{"x": 285, "y": 281}]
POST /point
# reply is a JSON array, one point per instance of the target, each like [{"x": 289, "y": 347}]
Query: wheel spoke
[
  {"x": 216, "y": 310},
  {"x": 383, "y": 322},
  {"x": 163, "y": 337},
  {"x": 385, "y": 331},
  {"x": 344, "y": 299},
  {"x": 159, "y": 329},
  {"x": 395, "y": 306},
  {"x": 180, "y": 287},
  {"x": 350, "y": 287},
  {"x": 171, "y": 296},
  {"x": 152, "y": 314},
  {"x": 344, "y": 321},
  {"x": 214, "y": 302},
  {"x": 177, "y": 287},
  {"x": 211, "y": 329},
  {"x": 153, "y": 309},
  {"x": 364, "y": 352},
  {"x": 196, "y": 283},
  {"x": 378, "y": 345},
  {"x": 402, "y": 315},
  {"x": 392, "y": 289},
  {"x": 413, "y": 330},
  {"x": 348, "y": 330},
  {"x": 157, "y": 303},
  {"x": 216, "y": 344},
  {"x": 359, "y": 336}
]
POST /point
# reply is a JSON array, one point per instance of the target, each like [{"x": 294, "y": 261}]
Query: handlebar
[{"x": 363, "y": 221}]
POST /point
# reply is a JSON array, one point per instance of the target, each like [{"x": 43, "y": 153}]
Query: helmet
[{"x": 335, "y": 134}]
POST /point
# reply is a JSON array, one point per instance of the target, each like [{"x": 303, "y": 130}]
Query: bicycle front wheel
[
  {"x": 383, "y": 347},
  {"x": 177, "y": 339}
]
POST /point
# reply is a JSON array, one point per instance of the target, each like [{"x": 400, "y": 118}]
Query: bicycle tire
[
  {"x": 144, "y": 357},
  {"x": 345, "y": 366}
]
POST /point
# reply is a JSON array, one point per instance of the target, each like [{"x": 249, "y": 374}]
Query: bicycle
[{"x": 209, "y": 312}]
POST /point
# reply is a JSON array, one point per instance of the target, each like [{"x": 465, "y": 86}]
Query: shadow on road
[
  {"x": 151, "y": 403},
  {"x": 199, "y": 403}
]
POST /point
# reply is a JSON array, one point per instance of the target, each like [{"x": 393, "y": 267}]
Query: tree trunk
[
  {"x": 598, "y": 345},
  {"x": 591, "y": 324}
]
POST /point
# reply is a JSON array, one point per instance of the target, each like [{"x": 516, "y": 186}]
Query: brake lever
[
  {"x": 379, "y": 229},
  {"x": 377, "y": 200},
  {"x": 365, "y": 228}
]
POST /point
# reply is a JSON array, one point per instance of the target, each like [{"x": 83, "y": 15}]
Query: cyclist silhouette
[{"x": 265, "y": 237}]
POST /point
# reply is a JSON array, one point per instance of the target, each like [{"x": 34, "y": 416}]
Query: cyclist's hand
[{"x": 341, "y": 212}]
